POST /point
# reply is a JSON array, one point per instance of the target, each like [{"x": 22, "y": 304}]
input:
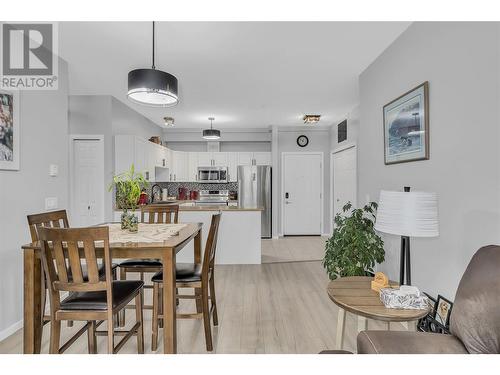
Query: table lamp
[{"x": 407, "y": 214}]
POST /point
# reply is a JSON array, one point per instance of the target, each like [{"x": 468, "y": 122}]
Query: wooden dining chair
[
  {"x": 55, "y": 219},
  {"x": 94, "y": 299},
  {"x": 197, "y": 276},
  {"x": 150, "y": 214}
]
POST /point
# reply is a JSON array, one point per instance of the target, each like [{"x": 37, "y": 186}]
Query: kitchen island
[{"x": 239, "y": 239}]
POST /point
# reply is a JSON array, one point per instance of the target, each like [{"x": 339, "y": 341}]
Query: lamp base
[{"x": 405, "y": 261}]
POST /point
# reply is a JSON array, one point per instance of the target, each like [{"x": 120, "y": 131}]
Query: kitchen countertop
[{"x": 207, "y": 207}]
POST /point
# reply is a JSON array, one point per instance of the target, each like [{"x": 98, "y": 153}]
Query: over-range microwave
[{"x": 212, "y": 174}]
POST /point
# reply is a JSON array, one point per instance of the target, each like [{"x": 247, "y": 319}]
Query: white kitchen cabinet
[
  {"x": 245, "y": 158},
  {"x": 192, "y": 167},
  {"x": 232, "y": 158},
  {"x": 262, "y": 158},
  {"x": 204, "y": 159},
  {"x": 219, "y": 159},
  {"x": 179, "y": 166}
]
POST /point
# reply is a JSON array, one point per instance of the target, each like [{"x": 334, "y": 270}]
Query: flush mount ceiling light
[
  {"x": 311, "y": 119},
  {"x": 169, "y": 121},
  {"x": 211, "y": 134},
  {"x": 152, "y": 87}
]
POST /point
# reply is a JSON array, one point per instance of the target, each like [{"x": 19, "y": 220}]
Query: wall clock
[{"x": 302, "y": 141}]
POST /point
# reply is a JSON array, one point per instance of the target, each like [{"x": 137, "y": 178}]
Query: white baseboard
[{"x": 11, "y": 330}]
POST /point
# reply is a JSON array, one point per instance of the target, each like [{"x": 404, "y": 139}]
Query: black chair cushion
[
  {"x": 185, "y": 272},
  {"x": 139, "y": 263},
  {"x": 123, "y": 292}
]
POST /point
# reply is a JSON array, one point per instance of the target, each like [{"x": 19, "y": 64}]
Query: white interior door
[
  {"x": 344, "y": 179},
  {"x": 87, "y": 182},
  {"x": 302, "y": 193}
]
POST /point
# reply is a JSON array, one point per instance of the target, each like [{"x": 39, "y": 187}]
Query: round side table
[{"x": 354, "y": 294}]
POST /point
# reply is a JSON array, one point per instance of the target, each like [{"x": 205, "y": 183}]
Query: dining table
[{"x": 152, "y": 241}]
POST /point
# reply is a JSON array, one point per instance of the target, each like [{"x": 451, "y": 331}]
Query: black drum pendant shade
[
  {"x": 151, "y": 86},
  {"x": 211, "y": 134}
]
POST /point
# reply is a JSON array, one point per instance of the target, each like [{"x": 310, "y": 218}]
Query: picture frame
[
  {"x": 443, "y": 310},
  {"x": 406, "y": 126},
  {"x": 9, "y": 130}
]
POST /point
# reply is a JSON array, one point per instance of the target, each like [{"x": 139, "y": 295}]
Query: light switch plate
[
  {"x": 51, "y": 203},
  {"x": 53, "y": 170}
]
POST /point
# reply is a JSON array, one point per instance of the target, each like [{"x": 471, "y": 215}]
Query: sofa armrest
[{"x": 403, "y": 342}]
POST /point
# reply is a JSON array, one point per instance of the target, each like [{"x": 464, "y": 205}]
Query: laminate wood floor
[
  {"x": 293, "y": 249},
  {"x": 268, "y": 308}
]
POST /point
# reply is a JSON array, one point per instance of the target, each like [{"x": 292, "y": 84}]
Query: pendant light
[
  {"x": 211, "y": 134},
  {"x": 152, "y": 87}
]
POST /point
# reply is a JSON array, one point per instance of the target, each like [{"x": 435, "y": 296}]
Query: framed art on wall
[
  {"x": 406, "y": 126},
  {"x": 9, "y": 130}
]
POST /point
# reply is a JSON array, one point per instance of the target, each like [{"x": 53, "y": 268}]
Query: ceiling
[{"x": 245, "y": 74}]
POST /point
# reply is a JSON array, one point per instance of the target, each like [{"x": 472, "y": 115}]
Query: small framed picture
[
  {"x": 406, "y": 126},
  {"x": 432, "y": 305},
  {"x": 9, "y": 130},
  {"x": 443, "y": 310}
]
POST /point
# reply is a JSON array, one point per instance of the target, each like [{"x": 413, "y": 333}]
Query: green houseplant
[
  {"x": 128, "y": 187},
  {"x": 355, "y": 247}
]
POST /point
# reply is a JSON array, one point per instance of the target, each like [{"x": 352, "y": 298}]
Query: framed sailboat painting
[
  {"x": 9, "y": 130},
  {"x": 406, "y": 126}
]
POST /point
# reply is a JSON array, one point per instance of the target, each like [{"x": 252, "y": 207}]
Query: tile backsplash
[{"x": 173, "y": 187}]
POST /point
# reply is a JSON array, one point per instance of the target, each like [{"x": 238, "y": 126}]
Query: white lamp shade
[{"x": 412, "y": 214}]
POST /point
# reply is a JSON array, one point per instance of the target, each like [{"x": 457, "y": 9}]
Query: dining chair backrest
[
  {"x": 76, "y": 244},
  {"x": 160, "y": 214},
  {"x": 211, "y": 245},
  {"x": 53, "y": 219}
]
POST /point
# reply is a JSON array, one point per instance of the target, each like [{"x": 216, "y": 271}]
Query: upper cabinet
[{"x": 160, "y": 164}]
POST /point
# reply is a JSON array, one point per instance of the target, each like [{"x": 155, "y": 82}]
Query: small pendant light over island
[{"x": 211, "y": 134}]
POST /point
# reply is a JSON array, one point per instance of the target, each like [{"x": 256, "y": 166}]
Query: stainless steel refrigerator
[{"x": 254, "y": 191}]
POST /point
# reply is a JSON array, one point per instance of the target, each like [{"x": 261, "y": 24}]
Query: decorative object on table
[
  {"x": 407, "y": 214},
  {"x": 406, "y": 297},
  {"x": 429, "y": 323},
  {"x": 9, "y": 130},
  {"x": 379, "y": 281},
  {"x": 302, "y": 141},
  {"x": 355, "y": 247},
  {"x": 128, "y": 187},
  {"x": 406, "y": 126},
  {"x": 342, "y": 131},
  {"x": 443, "y": 310},
  {"x": 152, "y": 87}
]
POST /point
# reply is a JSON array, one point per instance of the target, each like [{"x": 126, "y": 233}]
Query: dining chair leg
[
  {"x": 139, "y": 319},
  {"x": 154, "y": 322},
  {"x": 160, "y": 306},
  {"x": 55, "y": 336},
  {"x": 91, "y": 337},
  {"x": 121, "y": 314},
  {"x": 111, "y": 334},
  {"x": 206, "y": 318},
  {"x": 214, "y": 302},
  {"x": 197, "y": 293}
]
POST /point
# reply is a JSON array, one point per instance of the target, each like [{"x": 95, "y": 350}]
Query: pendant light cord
[{"x": 153, "y": 67}]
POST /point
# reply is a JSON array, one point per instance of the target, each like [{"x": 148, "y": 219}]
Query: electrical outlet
[{"x": 51, "y": 203}]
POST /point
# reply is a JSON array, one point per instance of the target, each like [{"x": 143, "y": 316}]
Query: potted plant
[
  {"x": 128, "y": 187},
  {"x": 355, "y": 247}
]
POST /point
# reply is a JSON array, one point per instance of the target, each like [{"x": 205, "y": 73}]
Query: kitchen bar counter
[{"x": 239, "y": 232}]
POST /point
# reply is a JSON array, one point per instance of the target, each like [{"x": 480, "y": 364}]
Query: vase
[
  {"x": 133, "y": 224},
  {"x": 124, "y": 219}
]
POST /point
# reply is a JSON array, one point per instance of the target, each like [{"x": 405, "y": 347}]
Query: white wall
[
  {"x": 461, "y": 63},
  {"x": 44, "y": 131},
  {"x": 103, "y": 114},
  {"x": 319, "y": 140}
]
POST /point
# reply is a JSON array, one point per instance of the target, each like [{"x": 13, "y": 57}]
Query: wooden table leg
[
  {"x": 169, "y": 305},
  {"x": 340, "y": 328},
  {"x": 197, "y": 260},
  {"x": 362, "y": 323},
  {"x": 33, "y": 316}
]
